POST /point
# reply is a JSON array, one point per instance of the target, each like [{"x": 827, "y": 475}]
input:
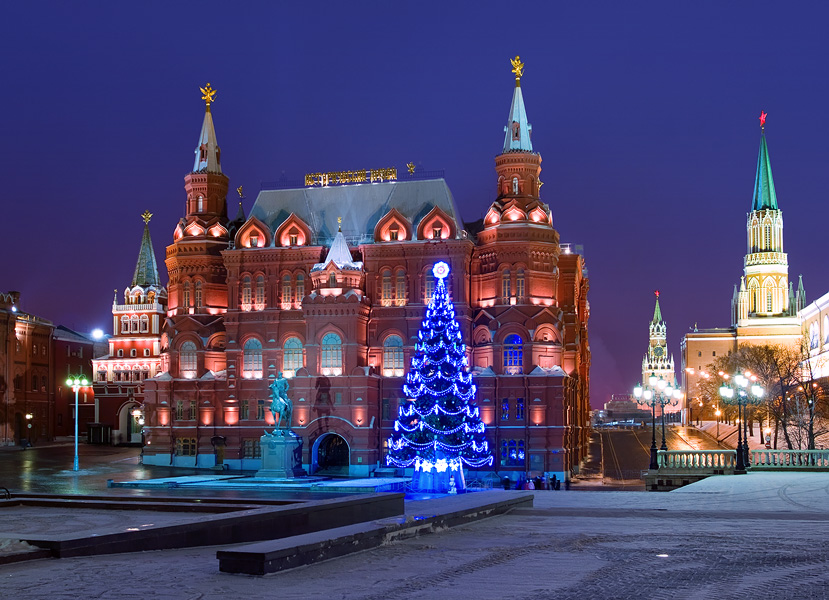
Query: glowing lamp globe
[{"x": 440, "y": 270}]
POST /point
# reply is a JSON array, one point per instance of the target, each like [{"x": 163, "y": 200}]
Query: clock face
[{"x": 658, "y": 351}]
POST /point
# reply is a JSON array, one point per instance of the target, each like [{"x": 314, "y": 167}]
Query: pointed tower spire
[
  {"x": 146, "y": 269},
  {"x": 764, "y": 195},
  {"x": 208, "y": 154},
  {"x": 518, "y": 130},
  {"x": 657, "y": 312}
]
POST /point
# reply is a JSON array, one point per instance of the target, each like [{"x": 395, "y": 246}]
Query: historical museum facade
[
  {"x": 328, "y": 284},
  {"x": 765, "y": 304}
]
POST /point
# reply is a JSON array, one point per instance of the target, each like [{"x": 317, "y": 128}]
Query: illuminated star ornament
[
  {"x": 762, "y": 120},
  {"x": 656, "y": 293},
  {"x": 207, "y": 95},
  {"x": 440, "y": 270}
]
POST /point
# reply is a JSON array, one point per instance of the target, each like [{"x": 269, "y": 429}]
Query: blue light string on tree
[{"x": 439, "y": 430}]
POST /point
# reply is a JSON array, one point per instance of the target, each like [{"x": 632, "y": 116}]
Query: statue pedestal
[{"x": 281, "y": 456}]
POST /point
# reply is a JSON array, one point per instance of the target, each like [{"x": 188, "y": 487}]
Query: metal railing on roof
[{"x": 283, "y": 183}]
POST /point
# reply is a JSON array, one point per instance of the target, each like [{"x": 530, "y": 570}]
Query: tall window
[
  {"x": 200, "y": 203},
  {"x": 332, "y": 280},
  {"x": 332, "y": 355},
  {"x": 429, "y": 287},
  {"x": 186, "y": 297},
  {"x": 506, "y": 290},
  {"x": 400, "y": 288},
  {"x": 291, "y": 356},
  {"x": 767, "y": 236},
  {"x": 244, "y": 410},
  {"x": 198, "y": 286},
  {"x": 187, "y": 360},
  {"x": 519, "y": 409},
  {"x": 286, "y": 292},
  {"x": 125, "y": 324},
  {"x": 246, "y": 299},
  {"x": 386, "y": 293},
  {"x": 194, "y": 409},
  {"x": 144, "y": 320},
  {"x": 252, "y": 360},
  {"x": 512, "y": 453},
  {"x": 179, "y": 410},
  {"x": 519, "y": 284},
  {"x": 260, "y": 292},
  {"x": 393, "y": 356},
  {"x": 134, "y": 323},
  {"x": 513, "y": 355},
  {"x": 769, "y": 297},
  {"x": 505, "y": 409},
  {"x": 814, "y": 336},
  {"x": 300, "y": 290},
  {"x": 826, "y": 330}
]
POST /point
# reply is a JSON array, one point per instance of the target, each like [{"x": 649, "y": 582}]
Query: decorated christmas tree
[{"x": 439, "y": 427}]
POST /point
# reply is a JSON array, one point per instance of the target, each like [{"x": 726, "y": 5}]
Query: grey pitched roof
[{"x": 361, "y": 206}]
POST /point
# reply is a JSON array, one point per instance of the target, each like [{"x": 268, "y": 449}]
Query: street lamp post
[
  {"x": 658, "y": 392},
  {"x": 735, "y": 390},
  {"x": 76, "y": 383}
]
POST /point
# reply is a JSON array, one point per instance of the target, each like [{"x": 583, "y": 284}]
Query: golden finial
[
  {"x": 540, "y": 183},
  {"x": 339, "y": 223},
  {"x": 147, "y": 216},
  {"x": 517, "y": 68},
  {"x": 411, "y": 167},
  {"x": 239, "y": 191},
  {"x": 208, "y": 94}
]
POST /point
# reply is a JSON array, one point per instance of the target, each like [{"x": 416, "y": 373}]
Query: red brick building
[
  {"x": 329, "y": 283},
  {"x": 134, "y": 352},
  {"x": 72, "y": 356}
]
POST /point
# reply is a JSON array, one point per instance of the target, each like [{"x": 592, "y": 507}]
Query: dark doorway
[{"x": 332, "y": 455}]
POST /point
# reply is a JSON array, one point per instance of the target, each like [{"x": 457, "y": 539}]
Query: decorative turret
[
  {"x": 656, "y": 361},
  {"x": 339, "y": 273},
  {"x": 518, "y": 167},
  {"x": 765, "y": 289},
  {"x": 146, "y": 269},
  {"x": 207, "y": 186}
]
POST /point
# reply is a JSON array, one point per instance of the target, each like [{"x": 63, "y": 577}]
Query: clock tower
[{"x": 657, "y": 361}]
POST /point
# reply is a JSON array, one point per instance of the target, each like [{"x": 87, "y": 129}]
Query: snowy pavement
[{"x": 748, "y": 536}]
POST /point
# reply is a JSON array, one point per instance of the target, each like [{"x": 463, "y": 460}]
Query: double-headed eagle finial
[
  {"x": 207, "y": 95},
  {"x": 147, "y": 215},
  {"x": 517, "y": 68}
]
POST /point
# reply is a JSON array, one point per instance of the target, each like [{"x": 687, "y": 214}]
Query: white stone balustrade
[
  {"x": 697, "y": 462},
  {"x": 790, "y": 459}
]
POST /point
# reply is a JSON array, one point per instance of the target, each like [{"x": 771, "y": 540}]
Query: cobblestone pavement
[{"x": 755, "y": 536}]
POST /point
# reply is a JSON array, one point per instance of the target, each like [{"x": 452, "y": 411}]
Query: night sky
[{"x": 645, "y": 114}]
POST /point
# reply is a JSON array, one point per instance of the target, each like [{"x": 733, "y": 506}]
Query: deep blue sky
[{"x": 645, "y": 115}]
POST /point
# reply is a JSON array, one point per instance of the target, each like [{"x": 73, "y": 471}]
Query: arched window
[
  {"x": 34, "y": 349},
  {"x": 429, "y": 287},
  {"x": 260, "y": 292},
  {"x": 519, "y": 284},
  {"x": 826, "y": 330},
  {"x": 134, "y": 323},
  {"x": 506, "y": 289},
  {"x": 125, "y": 324},
  {"x": 515, "y": 185},
  {"x": 300, "y": 290},
  {"x": 187, "y": 360},
  {"x": 246, "y": 299},
  {"x": 252, "y": 360},
  {"x": 198, "y": 287},
  {"x": 186, "y": 297},
  {"x": 133, "y": 352},
  {"x": 386, "y": 292},
  {"x": 513, "y": 355},
  {"x": 393, "y": 356},
  {"x": 400, "y": 288},
  {"x": 286, "y": 292},
  {"x": 144, "y": 320},
  {"x": 200, "y": 203},
  {"x": 769, "y": 299},
  {"x": 332, "y": 280},
  {"x": 814, "y": 336},
  {"x": 291, "y": 356},
  {"x": 767, "y": 236},
  {"x": 332, "y": 355},
  {"x": 120, "y": 352}
]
